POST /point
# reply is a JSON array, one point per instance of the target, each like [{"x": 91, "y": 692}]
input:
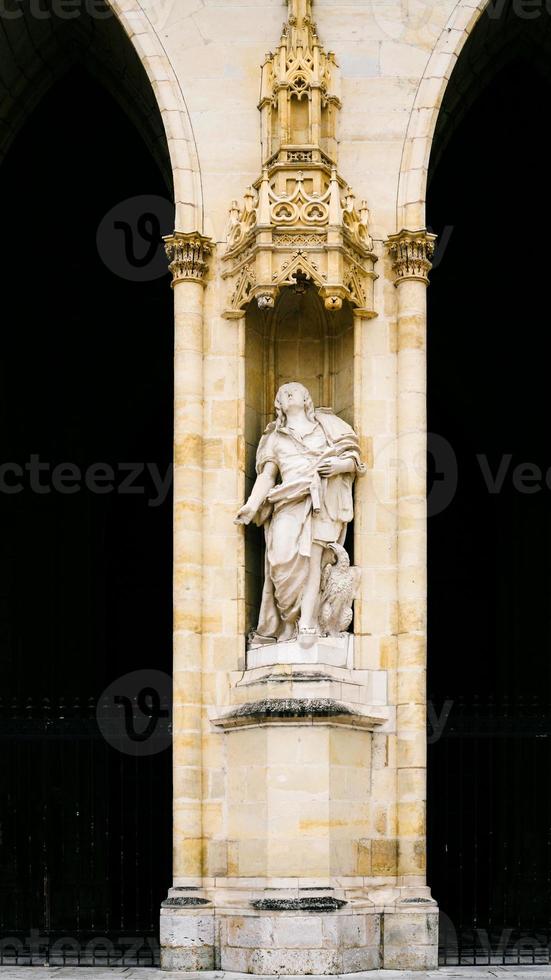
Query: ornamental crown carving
[
  {"x": 411, "y": 253},
  {"x": 188, "y": 254},
  {"x": 299, "y": 222}
]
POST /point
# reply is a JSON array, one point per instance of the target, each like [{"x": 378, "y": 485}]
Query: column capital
[
  {"x": 411, "y": 252},
  {"x": 188, "y": 253}
]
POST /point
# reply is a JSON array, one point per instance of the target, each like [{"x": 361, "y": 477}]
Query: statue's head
[{"x": 293, "y": 394}]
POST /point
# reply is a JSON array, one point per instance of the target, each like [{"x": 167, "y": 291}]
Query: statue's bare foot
[
  {"x": 288, "y": 633},
  {"x": 307, "y": 636},
  {"x": 256, "y": 640}
]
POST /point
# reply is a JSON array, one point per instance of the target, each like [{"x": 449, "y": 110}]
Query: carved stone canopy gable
[
  {"x": 188, "y": 254},
  {"x": 299, "y": 222},
  {"x": 411, "y": 252},
  {"x": 299, "y": 93}
]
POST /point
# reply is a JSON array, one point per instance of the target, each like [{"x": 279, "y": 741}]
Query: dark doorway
[
  {"x": 86, "y": 565},
  {"x": 489, "y": 830}
]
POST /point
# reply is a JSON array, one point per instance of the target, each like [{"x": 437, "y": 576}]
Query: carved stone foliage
[
  {"x": 299, "y": 222},
  {"x": 188, "y": 255},
  {"x": 411, "y": 253}
]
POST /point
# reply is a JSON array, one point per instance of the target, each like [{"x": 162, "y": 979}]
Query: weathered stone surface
[
  {"x": 360, "y": 959},
  {"x": 410, "y": 940},
  {"x": 183, "y": 901},
  {"x": 291, "y": 708},
  {"x": 411, "y": 928},
  {"x": 145, "y": 973},
  {"x": 410, "y": 958},
  {"x": 295, "y": 961},
  {"x": 186, "y": 930},
  {"x": 199, "y": 958},
  {"x": 287, "y": 943},
  {"x": 343, "y": 931},
  {"x": 249, "y": 931},
  {"x": 318, "y": 904},
  {"x": 297, "y": 932}
]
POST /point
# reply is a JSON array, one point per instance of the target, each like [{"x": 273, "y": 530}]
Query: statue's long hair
[{"x": 281, "y": 418}]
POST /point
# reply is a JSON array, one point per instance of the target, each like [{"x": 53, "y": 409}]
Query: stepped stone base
[
  {"x": 295, "y": 937},
  {"x": 298, "y": 942}
]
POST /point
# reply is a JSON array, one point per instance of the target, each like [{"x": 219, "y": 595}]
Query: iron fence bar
[
  {"x": 495, "y": 750},
  {"x": 48, "y": 746}
]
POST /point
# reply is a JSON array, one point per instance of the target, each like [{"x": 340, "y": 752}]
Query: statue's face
[{"x": 292, "y": 395}]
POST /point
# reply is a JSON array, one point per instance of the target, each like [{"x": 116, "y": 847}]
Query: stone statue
[{"x": 306, "y": 464}]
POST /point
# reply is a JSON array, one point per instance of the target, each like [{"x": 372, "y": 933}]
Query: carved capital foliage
[
  {"x": 411, "y": 253},
  {"x": 188, "y": 256},
  {"x": 299, "y": 223}
]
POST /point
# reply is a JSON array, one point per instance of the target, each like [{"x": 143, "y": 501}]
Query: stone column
[
  {"x": 411, "y": 253},
  {"x": 188, "y": 253}
]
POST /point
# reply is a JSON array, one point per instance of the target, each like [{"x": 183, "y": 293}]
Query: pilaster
[
  {"x": 188, "y": 255},
  {"x": 411, "y": 253}
]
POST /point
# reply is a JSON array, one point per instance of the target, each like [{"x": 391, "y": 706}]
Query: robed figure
[{"x": 306, "y": 464}]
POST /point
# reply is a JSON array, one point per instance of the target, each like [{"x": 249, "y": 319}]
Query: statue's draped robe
[{"x": 304, "y": 508}]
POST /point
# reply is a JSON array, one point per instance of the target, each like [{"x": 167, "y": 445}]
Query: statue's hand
[
  {"x": 333, "y": 466},
  {"x": 245, "y": 515}
]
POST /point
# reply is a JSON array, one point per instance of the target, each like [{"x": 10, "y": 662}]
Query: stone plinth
[
  {"x": 187, "y": 935},
  {"x": 410, "y": 936},
  {"x": 310, "y": 931},
  {"x": 300, "y": 942},
  {"x": 298, "y": 796},
  {"x": 334, "y": 651}
]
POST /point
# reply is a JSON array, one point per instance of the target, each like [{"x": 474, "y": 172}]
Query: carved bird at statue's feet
[{"x": 339, "y": 583}]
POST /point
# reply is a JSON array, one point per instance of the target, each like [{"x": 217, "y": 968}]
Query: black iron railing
[
  {"x": 85, "y": 839},
  {"x": 86, "y": 835},
  {"x": 489, "y": 829}
]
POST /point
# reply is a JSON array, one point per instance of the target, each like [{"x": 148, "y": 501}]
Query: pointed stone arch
[
  {"x": 119, "y": 44},
  {"x": 410, "y": 211},
  {"x": 188, "y": 198}
]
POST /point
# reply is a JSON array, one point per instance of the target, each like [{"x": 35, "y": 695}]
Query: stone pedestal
[
  {"x": 300, "y": 942},
  {"x": 302, "y": 888},
  {"x": 410, "y": 936},
  {"x": 310, "y": 931},
  {"x": 335, "y": 651},
  {"x": 308, "y": 882},
  {"x": 187, "y": 933}
]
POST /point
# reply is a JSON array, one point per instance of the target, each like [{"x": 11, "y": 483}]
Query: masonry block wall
[{"x": 299, "y": 839}]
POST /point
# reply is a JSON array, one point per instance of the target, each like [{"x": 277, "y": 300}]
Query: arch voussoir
[
  {"x": 430, "y": 93},
  {"x": 179, "y": 134}
]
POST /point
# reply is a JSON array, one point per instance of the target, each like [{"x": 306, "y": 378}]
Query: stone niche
[
  {"x": 300, "y": 867},
  {"x": 297, "y": 340}
]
